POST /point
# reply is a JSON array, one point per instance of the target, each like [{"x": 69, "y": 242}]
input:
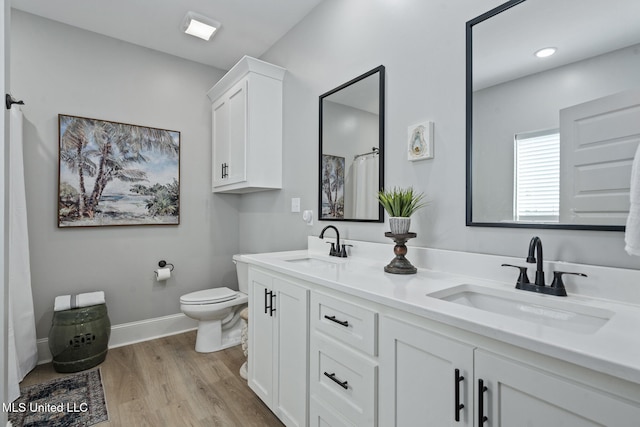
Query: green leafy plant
[{"x": 401, "y": 202}]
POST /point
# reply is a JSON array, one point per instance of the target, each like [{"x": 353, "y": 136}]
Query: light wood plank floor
[{"x": 164, "y": 382}]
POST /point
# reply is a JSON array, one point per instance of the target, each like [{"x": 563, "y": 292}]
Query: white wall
[
  {"x": 422, "y": 45},
  {"x": 61, "y": 69}
]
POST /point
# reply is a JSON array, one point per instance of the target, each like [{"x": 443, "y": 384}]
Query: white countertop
[{"x": 613, "y": 349}]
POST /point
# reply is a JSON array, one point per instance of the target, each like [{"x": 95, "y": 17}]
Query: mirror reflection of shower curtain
[
  {"x": 22, "y": 347},
  {"x": 362, "y": 201}
]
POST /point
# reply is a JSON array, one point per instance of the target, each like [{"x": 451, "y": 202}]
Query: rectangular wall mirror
[
  {"x": 551, "y": 140},
  {"x": 351, "y": 157}
]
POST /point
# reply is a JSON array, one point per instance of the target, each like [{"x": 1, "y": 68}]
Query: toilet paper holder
[{"x": 163, "y": 264}]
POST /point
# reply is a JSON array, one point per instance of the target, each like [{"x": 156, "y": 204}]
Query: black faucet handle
[
  {"x": 332, "y": 251},
  {"x": 522, "y": 278},
  {"x": 343, "y": 251},
  {"x": 557, "y": 279}
]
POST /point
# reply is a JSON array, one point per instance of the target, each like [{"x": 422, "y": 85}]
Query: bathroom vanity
[{"x": 338, "y": 342}]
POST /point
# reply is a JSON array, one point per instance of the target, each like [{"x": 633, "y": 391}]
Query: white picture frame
[{"x": 420, "y": 141}]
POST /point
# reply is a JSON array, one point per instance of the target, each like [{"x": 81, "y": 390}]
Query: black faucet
[
  {"x": 536, "y": 245},
  {"x": 557, "y": 286},
  {"x": 335, "y": 249}
]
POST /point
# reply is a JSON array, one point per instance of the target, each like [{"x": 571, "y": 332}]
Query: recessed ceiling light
[
  {"x": 545, "y": 52},
  {"x": 199, "y": 26}
]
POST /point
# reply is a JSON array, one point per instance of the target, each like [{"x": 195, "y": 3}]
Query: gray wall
[
  {"x": 348, "y": 131},
  {"x": 422, "y": 45},
  {"x": 61, "y": 69}
]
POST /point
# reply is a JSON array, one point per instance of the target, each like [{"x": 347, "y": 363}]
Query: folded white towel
[
  {"x": 67, "y": 302},
  {"x": 632, "y": 231}
]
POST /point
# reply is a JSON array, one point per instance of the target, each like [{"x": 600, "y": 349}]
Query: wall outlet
[{"x": 295, "y": 204}]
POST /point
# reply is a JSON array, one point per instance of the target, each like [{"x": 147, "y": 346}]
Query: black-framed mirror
[
  {"x": 351, "y": 155},
  {"x": 550, "y": 140}
]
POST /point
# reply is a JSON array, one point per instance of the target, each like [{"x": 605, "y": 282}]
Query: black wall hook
[
  {"x": 9, "y": 101},
  {"x": 164, "y": 263}
]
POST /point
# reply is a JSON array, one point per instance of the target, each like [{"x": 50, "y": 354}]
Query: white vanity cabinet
[
  {"x": 419, "y": 385},
  {"x": 247, "y": 128},
  {"x": 278, "y": 345},
  {"x": 349, "y": 349}
]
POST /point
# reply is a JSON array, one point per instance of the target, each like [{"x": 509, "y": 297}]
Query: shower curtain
[
  {"x": 364, "y": 180},
  {"x": 23, "y": 352}
]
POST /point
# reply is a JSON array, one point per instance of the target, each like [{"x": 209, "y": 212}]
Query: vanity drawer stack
[{"x": 343, "y": 363}]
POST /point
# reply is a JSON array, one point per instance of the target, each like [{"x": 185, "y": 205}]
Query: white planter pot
[{"x": 399, "y": 225}]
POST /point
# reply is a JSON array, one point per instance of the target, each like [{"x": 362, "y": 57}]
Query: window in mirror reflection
[{"x": 537, "y": 176}]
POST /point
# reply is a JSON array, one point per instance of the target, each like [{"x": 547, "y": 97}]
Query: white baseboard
[{"x": 133, "y": 332}]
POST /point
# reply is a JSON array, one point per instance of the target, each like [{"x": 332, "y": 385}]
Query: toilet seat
[{"x": 209, "y": 296}]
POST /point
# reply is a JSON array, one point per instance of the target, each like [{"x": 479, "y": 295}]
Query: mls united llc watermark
[{"x": 45, "y": 407}]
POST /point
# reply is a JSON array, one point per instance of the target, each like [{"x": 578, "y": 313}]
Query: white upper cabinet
[{"x": 247, "y": 128}]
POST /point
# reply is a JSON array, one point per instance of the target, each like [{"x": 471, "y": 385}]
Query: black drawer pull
[
  {"x": 271, "y": 305},
  {"x": 340, "y": 322},
  {"x": 459, "y": 406},
  {"x": 268, "y": 302},
  {"x": 481, "y": 416},
  {"x": 332, "y": 377}
]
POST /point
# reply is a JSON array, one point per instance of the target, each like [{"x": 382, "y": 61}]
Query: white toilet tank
[{"x": 242, "y": 270}]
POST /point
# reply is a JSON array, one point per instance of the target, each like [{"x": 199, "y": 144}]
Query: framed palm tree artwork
[
  {"x": 117, "y": 174},
  {"x": 332, "y": 187}
]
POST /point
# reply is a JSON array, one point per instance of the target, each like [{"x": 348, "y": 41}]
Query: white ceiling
[{"x": 249, "y": 27}]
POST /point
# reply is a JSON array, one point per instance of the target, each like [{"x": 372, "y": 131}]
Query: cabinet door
[
  {"x": 220, "y": 150},
  {"x": 418, "y": 377},
  {"x": 261, "y": 344},
  {"x": 238, "y": 133},
  {"x": 229, "y": 121},
  {"x": 291, "y": 340},
  {"x": 521, "y": 395}
]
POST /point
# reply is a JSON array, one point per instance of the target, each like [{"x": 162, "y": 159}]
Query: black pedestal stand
[{"x": 400, "y": 265}]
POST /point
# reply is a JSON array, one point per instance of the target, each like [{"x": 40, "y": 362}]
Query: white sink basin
[
  {"x": 315, "y": 262},
  {"x": 555, "y": 312}
]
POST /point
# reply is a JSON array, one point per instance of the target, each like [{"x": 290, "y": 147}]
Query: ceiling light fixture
[
  {"x": 199, "y": 26},
  {"x": 545, "y": 52}
]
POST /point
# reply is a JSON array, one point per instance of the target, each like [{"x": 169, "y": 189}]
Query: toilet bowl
[{"x": 217, "y": 311}]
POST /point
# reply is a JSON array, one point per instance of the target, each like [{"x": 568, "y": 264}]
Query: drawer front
[
  {"x": 325, "y": 416},
  {"x": 344, "y": 379},
  {"x": 350, "y": 323}
]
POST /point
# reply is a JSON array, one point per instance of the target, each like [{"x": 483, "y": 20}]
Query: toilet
[{"x": 217, "y": 311}]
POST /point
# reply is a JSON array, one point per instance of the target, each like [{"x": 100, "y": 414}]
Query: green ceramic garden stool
[{"x": 79, "y": 338}]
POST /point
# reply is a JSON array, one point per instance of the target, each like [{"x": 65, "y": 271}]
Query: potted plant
[{"x": 400, "y": 204}]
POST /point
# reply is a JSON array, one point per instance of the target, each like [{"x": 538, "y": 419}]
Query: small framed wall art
[{"x": 420, "y": 141}]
